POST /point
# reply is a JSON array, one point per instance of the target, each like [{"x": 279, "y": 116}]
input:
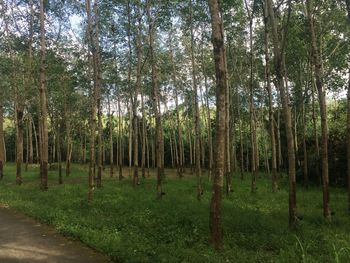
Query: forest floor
[
  {"x": 22, "y": 239},
  {"x": 131, "y": 225}
]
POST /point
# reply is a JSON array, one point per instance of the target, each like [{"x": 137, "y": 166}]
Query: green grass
[{"x": 131, "y": 225}]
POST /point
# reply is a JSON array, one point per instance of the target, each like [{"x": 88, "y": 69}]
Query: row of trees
[{"x": 134, "y": 83}]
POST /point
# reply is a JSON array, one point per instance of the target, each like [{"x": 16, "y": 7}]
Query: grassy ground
[{"x": 131, "y": 225}]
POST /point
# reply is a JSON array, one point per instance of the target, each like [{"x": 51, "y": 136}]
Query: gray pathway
[{"x": 22, "y": 239}]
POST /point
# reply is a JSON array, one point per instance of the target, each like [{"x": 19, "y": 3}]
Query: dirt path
[{"x": 22, "y": 239}]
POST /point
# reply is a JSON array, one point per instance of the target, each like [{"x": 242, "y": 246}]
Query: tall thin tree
[{"x": 219, "y": 151}]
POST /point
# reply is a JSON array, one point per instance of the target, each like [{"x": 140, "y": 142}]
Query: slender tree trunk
[
  {"x": 305, "y": 162},
  {"x": 178, "y": 122},
  {"x": 241, "y": 142},
  {"x": 43, "y": 102},
  {"x": 278, "y": 47},
  {"x": 156, "y": 102},
  {"x": 98, "y": 93},
  {"x": 315, "y": 129},
  {"x": 130, "y": 138},
  {"x": 196, "y": 111},
  {"x": 30, "y": 78},
  {"x": 215, "y": 224},
  {"x": 316, "y": 59},
  {"x": 111, "y": 152},
  {"x": 93, "y": 96},
  {"x": 19, "y": 140},
  {"x": 120, "y": 138},
  {"x": 2, "y": 146},
  {"x": 279, "y": 145},
  {"x": 227, "y": 136},
  {"x": 27, "y": 144},
  {"x": 348, "y": 119},
  {"x": 59, "y": 153},
  {"x": 136, "y": 94},
  {"x": 210, "y": 136},
  {"x": 69, "y": 143},
  {"x": 251, "y": 105},
  {"x": 144, "y": 136},
  {"x": 30, "y": 135},
  {"x": 37, "y": 151},
  {"x": 269, "y": 92}
]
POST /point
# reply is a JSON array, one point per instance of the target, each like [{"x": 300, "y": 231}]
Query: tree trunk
[
  {"x": 97, "y": 80},
  {"x": 269, "y": 92},
  {"x": 278, "y": 47},
  {"x": 59, "y": 154},
  {"x": 316, "y": 60},
  {"x": 111, "y": 152},
  {"x": 305, "y": 162},
  {"x": 348, "y": 119},
  {"x": 43, "y": 103},
  {"x": 215, "y": 224},
  {"x": 120, "y": 139},
  {"x": 69, "y": 143},
  {"x": 93, "y": 96},
  {"x": 27, "y": 144},
  {"x": 130, "y": 138},
  {"x": 178, "y": 122},
  {"x": 37, "y": 150},
  {"x": 30, "y": 135},
  {"x": 156, "y": 102},
  {"x": 2, "y": 146},
  {"x": 314, "y": 122},
  {"x": 227, "y": 136},
  {"x": 196, "y": 111},
  {"x": 251, "y": 104},
  {"x": 136, "y": 94},
  {"x": 19, "y": 140},
  {"x": 210, "y": 136},
  {"x": 144, "y": 136}
]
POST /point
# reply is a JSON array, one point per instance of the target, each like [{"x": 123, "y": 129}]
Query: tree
[
  {"x": 219, "y": 151},
  {"x": 43, "y": 104},
  {"x": 348, "y": 116},
  {"x": 196, "y": 109},
  {"x": 317, "y": 63},
  {"x": 269, "y": 92},
  {"x": 156, "y": 101},
  {"x": 278, "y": 50},
  {"x": 93, "y": 103},
  {"x": 2, "y": 146}
]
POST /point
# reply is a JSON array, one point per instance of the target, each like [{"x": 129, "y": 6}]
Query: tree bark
[
  {"x": 59, "y": 153},
  {"x": 93, "y": 96},
  {"x": 69, "y": 143},
  {"x": 215, "y": 224},
  {"x": 111, "y": 152},
  {"x": 196, "y": 119},
  {"x": 348, "y": 117},
  {"x": 316, "y": 59},
  {"x": 19, "y": 139},
  {"x": 251, "y": 104},
  {"x": 136, "y": 94},
  {"x": 120, "y": 139},
  {"x": 156, "y": 102},
  {"x": 97, "y": 81},
  {"x": 180, "y": 162},
  {"x": 269, "y": 92},
  {"x": 43, "y": 103},
  {"x": 278, "y": 48},
  {"x": 2, "y": 146}
]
